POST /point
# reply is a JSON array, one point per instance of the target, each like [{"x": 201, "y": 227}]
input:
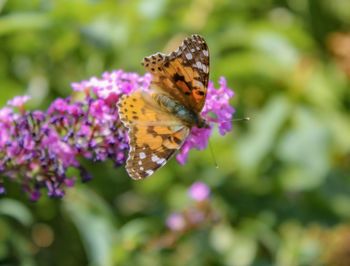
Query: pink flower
[
  {"x": 176, "y": 222},
  {"x": 199, "y": 191},
  {"x": 18, "y": 101},
  {"x": 218, "y": 103}
]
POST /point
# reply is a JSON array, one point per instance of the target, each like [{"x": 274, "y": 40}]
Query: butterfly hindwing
[
  {"x": 184, "y": 73},
  {"x": 145, "y": 157},
  {"x": 154, "y": 135}
]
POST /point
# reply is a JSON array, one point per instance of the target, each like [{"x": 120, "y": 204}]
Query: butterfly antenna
[
  {"x": 211, "y": 147},
  {"x": 238, "y": 120},
  {"x": 241, "y": 119},
  {"x": 212, "y": 154}
]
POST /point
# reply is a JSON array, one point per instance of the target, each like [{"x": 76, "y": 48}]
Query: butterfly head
[{"x": 202, "y": 123}]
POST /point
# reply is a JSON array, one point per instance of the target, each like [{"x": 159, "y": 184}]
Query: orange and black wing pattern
[
  {"x": 154, "y": 135},
  {"x": 184, "y": 73}
]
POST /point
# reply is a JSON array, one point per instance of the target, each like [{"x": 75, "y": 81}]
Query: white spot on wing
[
  {"x": 189, "y": 56},
  {"x": 149, "y": 172},
  {"x": 157, "y": 160},
  {"x": 142, "y": 155},
  {"x": 206, "y": 53},
  {"x": 154, "y": 158},
  {"x": 205, "y": 68}
]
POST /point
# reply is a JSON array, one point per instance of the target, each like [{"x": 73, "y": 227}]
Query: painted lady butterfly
[{"x": 160, "y": 119}]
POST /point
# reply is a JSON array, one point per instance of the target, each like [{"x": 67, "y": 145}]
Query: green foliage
[{"x": 282, "y": 187}]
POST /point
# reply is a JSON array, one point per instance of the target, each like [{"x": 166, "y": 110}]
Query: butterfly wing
[
  {"x": 184, "y": 73},
  {"x": 154, "y": 135}
]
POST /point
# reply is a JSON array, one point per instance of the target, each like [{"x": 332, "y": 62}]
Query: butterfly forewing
[{"x": 184, "y": 73}]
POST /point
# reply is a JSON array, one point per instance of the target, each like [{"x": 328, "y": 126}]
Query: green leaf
[
  {"x": 94, "y": 220},
  {"x": 16, "y": 210}
]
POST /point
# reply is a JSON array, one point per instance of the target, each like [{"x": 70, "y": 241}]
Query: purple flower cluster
[{"x": 37, "y": 148}]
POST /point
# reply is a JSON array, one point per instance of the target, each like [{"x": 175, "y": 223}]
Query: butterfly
[{"x": 160, "y": 119}]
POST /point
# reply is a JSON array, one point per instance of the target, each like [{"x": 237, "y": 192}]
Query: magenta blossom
[
  {"x": 38, "y": 147},
  {"x": 176, "y": 222},
  {"x": 199, "y": 191},
  {"x": 18, "y": 101}
]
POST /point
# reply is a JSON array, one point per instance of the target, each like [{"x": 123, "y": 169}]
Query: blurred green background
[{"x": 282, "y": 189}]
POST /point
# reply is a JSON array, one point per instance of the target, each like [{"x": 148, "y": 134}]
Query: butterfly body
[
  {"x": 160, "y": 119},
  {"x": 174, "y": 107}
]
